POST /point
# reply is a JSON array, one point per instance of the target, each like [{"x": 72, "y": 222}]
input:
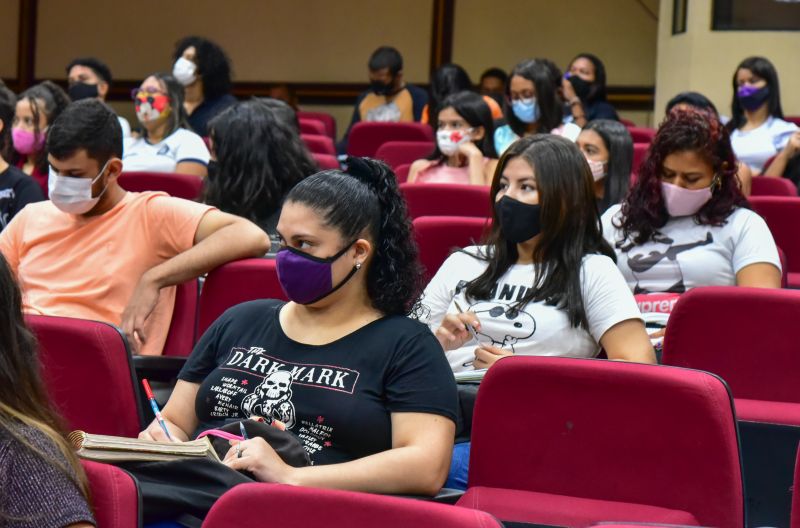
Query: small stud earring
[{"x": 358, "y": 266}]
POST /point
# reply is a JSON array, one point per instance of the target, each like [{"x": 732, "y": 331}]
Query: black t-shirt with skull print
[{"x": 337, "y": 398}]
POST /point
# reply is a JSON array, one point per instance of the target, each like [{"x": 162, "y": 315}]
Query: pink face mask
[
  {"x": 598, "y": 169},
  {"x": 26, "y": 142},
  {"x": 684, "y": 202}
]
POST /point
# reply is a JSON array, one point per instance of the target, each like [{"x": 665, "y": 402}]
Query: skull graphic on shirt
[{"x": 272, "y": 399}]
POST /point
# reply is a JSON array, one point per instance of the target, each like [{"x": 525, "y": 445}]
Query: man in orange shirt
[{"x": 96, "y": 251}]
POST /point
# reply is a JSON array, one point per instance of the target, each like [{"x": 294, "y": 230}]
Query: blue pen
[
  {"x": 243, "y": 430},
  {"x": 149, "y": 392}
]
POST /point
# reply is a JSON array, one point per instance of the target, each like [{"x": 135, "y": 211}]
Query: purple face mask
[
  {"x": 306, "y": 279},
  {"x": 750, "y": 97}
]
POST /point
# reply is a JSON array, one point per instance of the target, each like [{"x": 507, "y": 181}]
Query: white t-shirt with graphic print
[
  {"x": 685, "y": 254},
  {"x": 182, "y": 145},
  {"x": 537, "y": 329}
]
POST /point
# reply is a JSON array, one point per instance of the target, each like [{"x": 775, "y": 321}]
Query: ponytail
[{"x": 366, "y": 197}]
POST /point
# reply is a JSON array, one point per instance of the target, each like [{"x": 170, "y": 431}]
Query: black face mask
[
  {"x": 518, "y": 221},
  {"x": 81, "y": 90},
  {"x": 582, "y": 87},
  {"x": 381, "y": 88}
]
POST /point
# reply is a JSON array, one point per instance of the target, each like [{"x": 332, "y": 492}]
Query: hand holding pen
[
  {"x": 153, "y": 405},
  {"x": 458, "y": 329}
]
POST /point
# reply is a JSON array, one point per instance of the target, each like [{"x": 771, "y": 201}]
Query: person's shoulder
[
  {"x": 611, "y": 213},
  {"x": 468, "y": 255},
  {"x": 597, "y": 263},
  {"x": 416, "y": 91},
  {"x": 781, "y": 126},
  {"x": 184, "y": 134},
  {"x": 742, "y": 216}
]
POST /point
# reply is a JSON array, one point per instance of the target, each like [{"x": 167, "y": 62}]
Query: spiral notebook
[{"x": 102, "y": 448}]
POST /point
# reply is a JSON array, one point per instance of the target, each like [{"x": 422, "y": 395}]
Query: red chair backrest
[
  {"x": 366, "y": 137},
  {"x": 326, "y": 119},
  {"x": 250, "y": 504},
  {"x": 181, "y": 335},
  {"x": 768, "y": 186},
  {"x": 319, "y": 144},
  {"x": 642, "y": 134},
  {"x": 312, "y": 126},
  {"x": 234, "y": 283},
  {"x": 740, "y": 334},
  {"x": 793, "y": 119},
  {"x": 446, "y": 199},
  {"x": 115, "y": 496},
  {"x": 326, "y": 161},
  {"x": 782, "y": 215},
  {"x": 397, "y": 153},
  {"x": 599, "y": 429},
  {"x": 86, "y": 366},
  {"x": 438, "y": 236},
  {"x": 401, "y": 173},
  {"x": 639, "y": 154},
  {"x": 184, "y": 186}
]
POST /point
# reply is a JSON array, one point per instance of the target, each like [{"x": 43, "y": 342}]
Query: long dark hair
[
  {"x": 474, "y": 110},
  {"x": 177, "y": 118},
  {"x": 374, "y": 203},
  {"x": 213, "y": 65},
  {"x": 541, "y": 73},
  {"x": 260, "y": 157},
  {"x": 570, "y": 227},
  {"x": 700, "y": 131},
  {"x": 598, "y": 91},
  {"x": 55, "y": 101},
  {"x": 619, "y": 144},
  {"x": 445, "y": 81},
  {"x": 23, "y": 401},
  {"x": 763, "y": 68}
]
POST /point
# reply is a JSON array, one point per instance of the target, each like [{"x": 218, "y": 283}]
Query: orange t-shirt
[{"x": 72, "y": 266}]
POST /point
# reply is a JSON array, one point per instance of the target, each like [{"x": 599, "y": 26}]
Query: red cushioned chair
[
  {"x": 86, "y": 366},
  {"x": 326, "y": 161},
  {"x": 639, "y": 154},
  {"x": 185, "y": 186},
  {"x": 234, "y": 283},
  {"x": 746, "y": 336},
  {"x": 181, "y": 336},
  {"x": 571, "y": 442},
  {"x": 253, "y": 504},
  {"x": 796, "y": 493},
  {"x": 319, "y": 144},
  {"x": 446, "y": 199},
  {"x": 401, "y": 173},
  {"x": 642, "y": 134},
  {"x": 366, "y": 137},
  {"x": 397, "y": 153},
  {"x": 312, "y": 126},
  {"x": 326, "y": 119},
  {"x": 437, "y": 236},
  {"x": 782, "y": 214},
  {"x": 768, "y": 186},
  {"x": 115, "y": 496}
]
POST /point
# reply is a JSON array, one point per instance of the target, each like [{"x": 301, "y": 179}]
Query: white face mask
[
  {"x": 73, "y": 195},
  {"x": 184, "y": 71},
  {"x": 598, "y": 168},
  {"x": 449, "y": 140}
]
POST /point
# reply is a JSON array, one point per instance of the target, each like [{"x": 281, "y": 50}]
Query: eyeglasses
[{"x": 148, "y": 92}]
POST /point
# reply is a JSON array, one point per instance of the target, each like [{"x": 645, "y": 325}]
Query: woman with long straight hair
[
  {"x": 608, "y": 148},
  {"x": 41, "y": 480}
]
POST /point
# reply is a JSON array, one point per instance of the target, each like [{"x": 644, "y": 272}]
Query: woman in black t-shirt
[{"x": 365, "y": 389}]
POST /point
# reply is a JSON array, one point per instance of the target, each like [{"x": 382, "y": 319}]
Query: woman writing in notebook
[
  {"x": 363, "y": 387},
  {"x": 41, "y": 481}
]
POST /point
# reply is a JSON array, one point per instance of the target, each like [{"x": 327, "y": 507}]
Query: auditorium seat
[
  {"x": 401, "y": 173},
  {"x": 571, "y": 442},
  {"x": 366, "y": 137},
  {"x": 114, "y": 495},
  {"x": 181, "y": 335},
  {"x": 782, "y": 214},
  {"x": 446, "y": 199},
  {"x": 746, "y": 336},
  {"x": 438, "y": 236},
  {"x": 86, "y": 367},
  {"x": 396, "y": 153},
  {"x": 319, "y": 144},
  {"x": 251, "y": 504},
  {"x": 312, "y": 126},
  {"x": 642, "y": 134},
  {"x": 326, "y": 161},
  {"x": 768, "y": 186},
  {"x": 326, "y": 119},
  {"x": 185, "y": 186}
]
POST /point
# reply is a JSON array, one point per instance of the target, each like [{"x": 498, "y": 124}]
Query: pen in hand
[
  {"x": 149, "y": 392},
  {"x": 471, "y": 331}
]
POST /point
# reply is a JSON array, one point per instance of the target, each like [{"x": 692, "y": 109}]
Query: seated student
[
  {"x": 464, "y": 150},
  {"x": 608, "y": 148},
  {"x": 204, "y": 70},
  {"x": 390, "y": 98},
  {"x": 37, "y": 109},
  {"x": 493, "y": 83},
  {"x": 259, "y": 158},
  {"x": 584, "y": 88},
  {"x": 16, "y": 189},
  {"x": 447, "y": 80},
  {"x": 758, "y": 131},
  {"x": 90, "y": 77},
  {"x": 685, "y": 222},
  {"x": 98, "y": 252},
  {"x": 166, "y": 144},
  {"x": 688, "y": 100},
  {"x": 545, "y": 283},
  {"x": 41, "y": 480},
  {"x": 386, "y": 398},
  {"x": 532, "y": 104}
]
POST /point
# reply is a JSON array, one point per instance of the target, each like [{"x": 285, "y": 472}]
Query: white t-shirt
[
  {"x": 755, "y": 147},
  {"x": 685, "y": 254},
  {"x": 181, "y": 145},
  {"x": 126, "y": 127},
  {"x": 538, "y": 329}
]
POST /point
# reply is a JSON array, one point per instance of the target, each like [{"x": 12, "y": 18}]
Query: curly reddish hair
[{"x": 700, "y": 131}]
